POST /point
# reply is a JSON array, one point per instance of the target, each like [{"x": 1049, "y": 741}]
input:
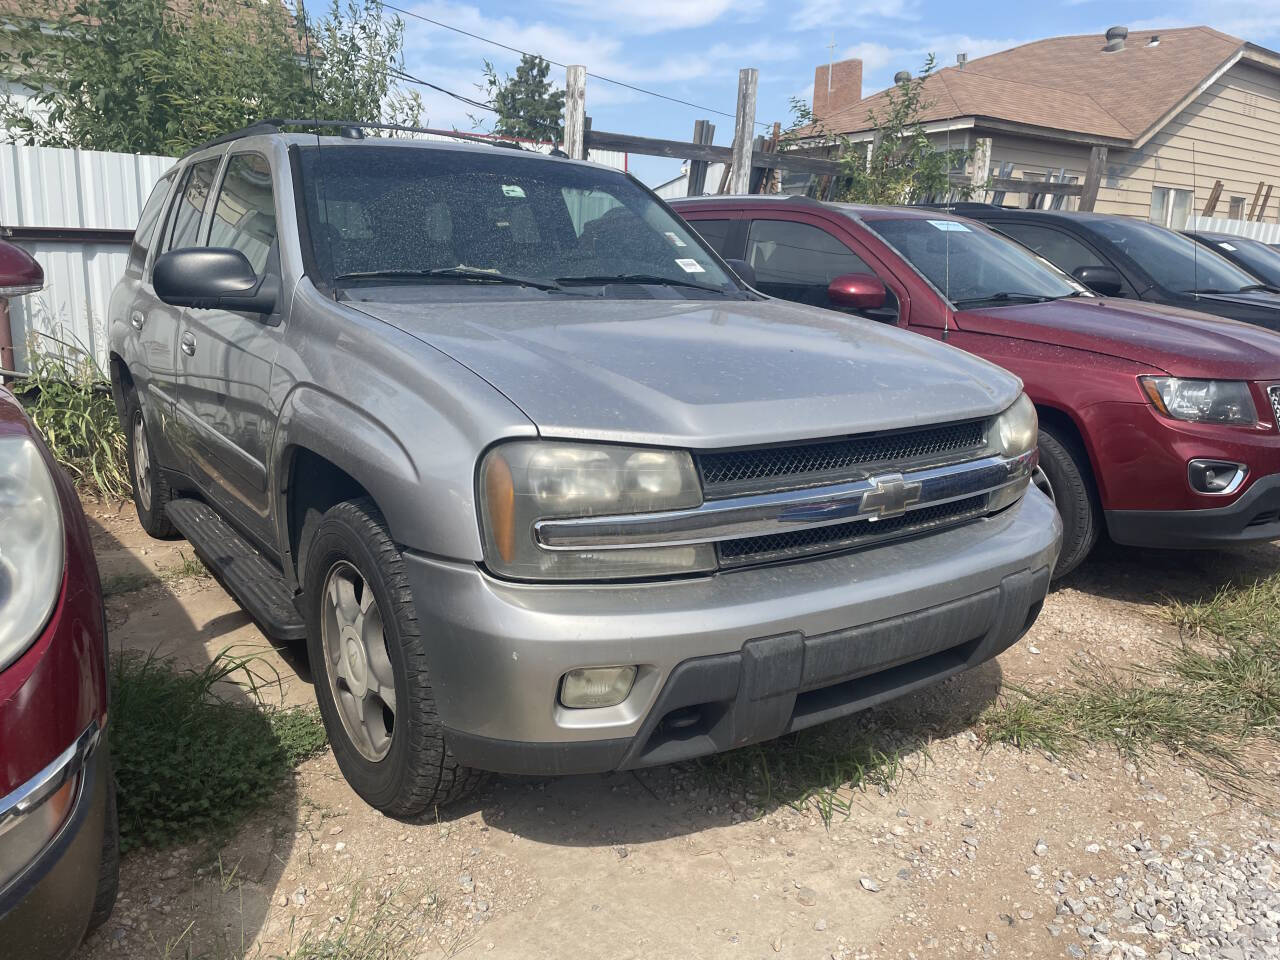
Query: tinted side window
[
  {"x": 796, "y": 261},
  {"x": 147, "y": 224},
  {"x": 190, "y": 206},
  {"x": 1063, "y": 251},
  {"x": 245, "y": 215},
  {"x": 715, "y": 232}
]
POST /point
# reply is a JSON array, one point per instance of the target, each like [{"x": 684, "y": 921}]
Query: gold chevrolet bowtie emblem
[{"x": 889, "y": 496}]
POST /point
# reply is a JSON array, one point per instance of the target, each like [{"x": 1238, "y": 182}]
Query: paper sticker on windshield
[
  {"x": 950, "y": 225},
  {"x": 512, "y": 190},
  {"x": 1226, "y": 246},
  {"x": 675, "y": 241},
  {"x": 689, "y": 266}
]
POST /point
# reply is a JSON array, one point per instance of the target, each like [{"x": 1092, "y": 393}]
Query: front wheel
[
  {"x": 151, "y": 493},
  {"x": 370, "y": 667},
  {"x": 1064, "y": 476}
]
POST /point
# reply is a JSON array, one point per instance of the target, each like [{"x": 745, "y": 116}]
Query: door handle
[
  {"x": 188, "y": 344},
  {"x": 137, "y": 319}
]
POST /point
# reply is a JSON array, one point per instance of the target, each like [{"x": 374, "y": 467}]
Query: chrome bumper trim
[
  {"x": 48, "y": 781},
  {"x": 874, "y": 498}
]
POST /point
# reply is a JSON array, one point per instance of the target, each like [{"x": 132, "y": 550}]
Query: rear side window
[
  {"x": 796, "y": 261},
  {"x": 190, "y": 206},
  {"x": 715, "y": 232},
  {"x": 147, "y": 224},
  {"x": 245, "y": 215}
]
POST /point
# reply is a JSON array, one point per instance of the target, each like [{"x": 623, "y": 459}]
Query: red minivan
[
  {"x": 1157, "y": 424},
  {"x": 58, "y": 832}
]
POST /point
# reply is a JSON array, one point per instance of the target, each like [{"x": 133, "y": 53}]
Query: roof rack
[{"x": 349, "y": 129}]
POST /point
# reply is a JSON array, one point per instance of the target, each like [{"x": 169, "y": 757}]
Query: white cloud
[
  {"x": 829, "y": 14},
  {"x": 658, "y": 16}
]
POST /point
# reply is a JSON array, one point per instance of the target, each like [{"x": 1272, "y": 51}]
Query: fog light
[
  {"x": 1216, "y": 476},
  {"x": 596, "y": 686}
]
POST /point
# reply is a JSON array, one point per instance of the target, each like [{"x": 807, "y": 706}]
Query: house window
[
  {"x": 1170, "y": 207},
  {"x": 1236, "y": 210}
]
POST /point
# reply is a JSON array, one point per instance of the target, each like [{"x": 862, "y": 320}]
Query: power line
[{"x": 511, "y": 49}]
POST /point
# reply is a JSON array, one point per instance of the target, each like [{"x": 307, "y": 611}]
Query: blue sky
[{"x": 693, "y": 49}]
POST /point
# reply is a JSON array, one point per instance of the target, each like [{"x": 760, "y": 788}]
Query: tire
[
  {"x": 1066, "y": 471},
  {"x": 151, "y": 491},
  {"x": 109, "y": 867},
  {"x": 398, "y": 763}
]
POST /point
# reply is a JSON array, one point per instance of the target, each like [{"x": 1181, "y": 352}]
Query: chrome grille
[
  {"x": 738, "y": 472},
  {"x": 1274, "y": 394},
  {"x": 845, "y": 536}
]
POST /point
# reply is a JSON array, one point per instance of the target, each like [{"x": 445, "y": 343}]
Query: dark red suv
[
  {"x": 58, "y": 849},
  {"x": 1157, "y": 424}
]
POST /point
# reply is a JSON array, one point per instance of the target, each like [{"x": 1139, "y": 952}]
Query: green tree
[
  {"x": 527, "y": 105},
  {"x": 140, "y": 76},
  {"x": 901, "y": 164}
]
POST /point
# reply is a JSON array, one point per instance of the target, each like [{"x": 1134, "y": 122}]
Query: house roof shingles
[{"x": 1068, "y": 84}]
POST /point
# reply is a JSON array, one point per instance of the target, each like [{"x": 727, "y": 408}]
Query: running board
[{"x": 245, "y": 573}]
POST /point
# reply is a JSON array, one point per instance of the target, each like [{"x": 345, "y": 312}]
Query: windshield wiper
[
  {"x": 448, "y": 273},
  {"x": 639, "y": 278},
  {"x": 1255, "y": 287},
  {"x": 1006, "y": 296}
]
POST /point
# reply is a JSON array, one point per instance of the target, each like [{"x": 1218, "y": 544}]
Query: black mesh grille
[
  {"x": 780, "y": 468},
  {"x": 842, "y": 536}
]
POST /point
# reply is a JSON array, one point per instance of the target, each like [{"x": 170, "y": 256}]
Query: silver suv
[{"x": 544, "y": 486}]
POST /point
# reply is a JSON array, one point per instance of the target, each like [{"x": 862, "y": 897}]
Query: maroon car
[
  {"x": 58, "y": 849},
  {"x": 1157, "y": 424}
]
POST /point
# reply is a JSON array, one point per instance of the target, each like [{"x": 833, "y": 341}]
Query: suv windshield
[
  {"x": 411, "y": 215},
  {"x": 1173, "y": 261},
  {"x": 972, "y": 266}
]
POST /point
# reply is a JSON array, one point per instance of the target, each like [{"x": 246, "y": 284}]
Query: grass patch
[
  {"x": 189, "y": 762},
  {"x": 132, "y": 582},
  {"x": 69, "y": 399},
  {"x": 1206, "y": 700},
  {"x": 818, "y": 769}
]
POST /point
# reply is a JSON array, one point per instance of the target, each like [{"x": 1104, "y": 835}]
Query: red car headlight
[{"x": 31, "y": 546}]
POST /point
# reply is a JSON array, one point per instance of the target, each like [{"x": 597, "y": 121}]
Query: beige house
[{"x": 1177, "y": 110}]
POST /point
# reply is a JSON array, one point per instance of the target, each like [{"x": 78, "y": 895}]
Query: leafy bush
[
  {"x": 69, "y": 400},
  {"x": 189, "y": 762}
]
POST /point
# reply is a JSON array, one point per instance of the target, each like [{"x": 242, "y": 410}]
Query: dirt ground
[{"x": 975, "y": 851}]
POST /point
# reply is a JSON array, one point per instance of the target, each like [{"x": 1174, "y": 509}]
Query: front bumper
[
  {"x": 737, "y": 657},
  {"x": 1254, "y": 516},
  {"x": 45, "y": 908}
]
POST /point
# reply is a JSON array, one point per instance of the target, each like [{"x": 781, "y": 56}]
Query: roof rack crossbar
[{"x": 348, "y": 128}]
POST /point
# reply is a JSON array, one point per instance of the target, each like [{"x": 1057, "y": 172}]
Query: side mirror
[
  {"x": 857, "y": 291},
  {"x": 746, "y": 273},
  {"x": 1101, "y": 280},
  {"x": 213, "y": 278},
  {"x": 19, "y": 272}
]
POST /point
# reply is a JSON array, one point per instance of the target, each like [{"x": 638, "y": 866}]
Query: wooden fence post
[
  {"x": 1210, "y": 205},
  {"x": 575, "y": 108},
  {"x": 1257, "y": 195},
  {"x": 704, "y": 131},
  {"x": 1262, "y": 207},
  {"x": 981, "y": 171},
  {"x": 744, "y": 125},
  {"x": 1093, "y": 177}
]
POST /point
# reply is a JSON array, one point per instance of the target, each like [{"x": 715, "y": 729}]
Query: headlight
[
  {"x": 30, "y": 547},
  {"x": 527, "y": 481},
  {"x": 1204, "y": 401},
  {"x": 1016, "y": 429}
]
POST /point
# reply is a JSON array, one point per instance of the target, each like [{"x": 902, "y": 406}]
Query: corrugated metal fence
[
  {"x": 1266, "y": 232},
  {"x": 52, "y": 199}
]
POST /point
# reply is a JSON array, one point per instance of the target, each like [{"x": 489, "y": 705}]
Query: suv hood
[
  {"x": 1184, "y": 343},
  {"x": 704, "y": 374}
]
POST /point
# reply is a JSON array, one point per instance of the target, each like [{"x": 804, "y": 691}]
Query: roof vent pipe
[
  {"x": 961, "y": 60},
  {"x": 1154, "y": 41},
  {"x": 901, "y": 77},
  {"x": 1115, "y": 39}
]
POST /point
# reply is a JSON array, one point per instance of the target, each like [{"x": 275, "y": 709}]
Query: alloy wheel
[
  {"x": 141, "y": 461},
  {"x": 356, "y": 661},
  {"x": 1041, "y": 480}
]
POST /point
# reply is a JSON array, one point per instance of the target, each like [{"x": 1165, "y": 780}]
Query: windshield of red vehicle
[
  {"x": 1172, "y": 260},
  {"x": 442, "y": 218},
  {"x": 972, "y": 266}
]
